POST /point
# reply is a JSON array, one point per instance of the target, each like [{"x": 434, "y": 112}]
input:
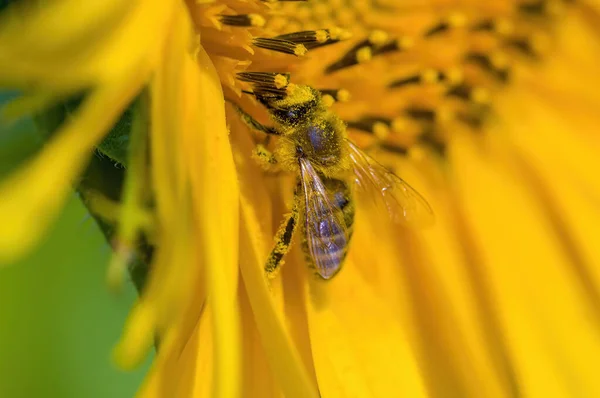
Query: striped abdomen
[{"x": 331, "y": 256}]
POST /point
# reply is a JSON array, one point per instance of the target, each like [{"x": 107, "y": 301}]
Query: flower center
[{"x": 399, "y": 73}]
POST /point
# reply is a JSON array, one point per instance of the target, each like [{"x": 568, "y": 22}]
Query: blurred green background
[{"x": 58, "y": 321}]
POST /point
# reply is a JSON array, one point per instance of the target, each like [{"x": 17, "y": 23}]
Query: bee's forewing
[
  {"x": 401, "y": 201},
  {"x": 326, "y": 233}
]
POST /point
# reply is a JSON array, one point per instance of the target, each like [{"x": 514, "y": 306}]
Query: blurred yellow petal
[
  {"x": 358, "y": 345},
  {"x": 489, "y": 109},
  {"x": 66, "y": 44},
  {"x": 550, "y": 333},
  {"x": 283, "y": 357}
]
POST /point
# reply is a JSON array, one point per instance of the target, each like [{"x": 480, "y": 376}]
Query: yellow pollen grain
[
  {"x": 300, "y": 50},
  {"x": 364, "y": 54},
  {"x": 417, "y": 153},
  {"x": 480, "y": 95},
  {"x": 398, "y": 125},
  {"x": 337, "y": 33},
  {"x": 405, "y": 42},
  {"x": 503, "y": 27},
  {"x": 457, "y": 20},
  {"x": 454, "y": 76},
  {"x": 328, "y": 100},
  {"x": 381, "y": 131},
  {"x": 499, "y": 60},
  {"x": 378, "y": 37},
  {"x": 257, "y": 20},
  {"x": 429, "y": 76},
  {"x": 297, "y": 94},
  {"x": 443, "y": 114},
  {"x": 321, "y": 36},
  {"x": 280, "y": 81},
  {"x": 343, "y": 95}
]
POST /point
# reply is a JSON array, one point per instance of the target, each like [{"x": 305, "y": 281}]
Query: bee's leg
[
  {"x": 264, "y": 157},
  {"x": 252, "y": 123},
  {"x": 283, "y": 239}
]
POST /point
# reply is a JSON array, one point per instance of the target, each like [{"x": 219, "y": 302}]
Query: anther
[
  {"x": 533, "y": 7},
  {"x": 365, "y": 50},
  {"x": 336, "y": 95},
  {"x": 378, "y": 126},
  {"x": 421, "y": 114},
  {"x": 311, "y": 38},
  {"x": 531, "y": 46},
  {"x": 427, "y": 76},
  {"x": 276, "y": 80},
  {"x": 498, "y": 26},
  {"x": 456, "y": 20},
  {"x": 494, "y": 64},
  {"x": 477, "y": 95},
  {"x": 265, "y": 84},
  {"x": 244, "y": 20},
  {"x": 279, "y": 45}
]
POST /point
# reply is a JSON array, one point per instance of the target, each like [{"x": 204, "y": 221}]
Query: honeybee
[{"x": 313, "y": 143}]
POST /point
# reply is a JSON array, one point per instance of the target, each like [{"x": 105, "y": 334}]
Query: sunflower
[{"x": 487, "y": 109}]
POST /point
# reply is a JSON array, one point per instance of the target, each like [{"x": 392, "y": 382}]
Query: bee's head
[{"x": 297, "y": 106}]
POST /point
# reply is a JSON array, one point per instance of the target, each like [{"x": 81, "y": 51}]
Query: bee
[{"x": 312, "y": 142}]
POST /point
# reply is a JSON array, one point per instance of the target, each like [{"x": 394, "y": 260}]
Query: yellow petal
[
  {"x": 360, "y": 347},
  {"x": 215, "y": 194},
  {"x": 550, "y": 333},
  {"x": 67, "y": 44}
]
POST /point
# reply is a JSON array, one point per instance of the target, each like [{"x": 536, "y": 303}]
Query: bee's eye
[
  {"x": 291, "y": 115},
  {"x": 294, "y": 114}
]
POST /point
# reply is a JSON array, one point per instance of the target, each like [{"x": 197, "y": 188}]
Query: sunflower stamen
[
  {"x": 243, "y": 20},
  {"x": 279, "y": 45},
  {"x": 456, "y": 20},
  {"x": 494, "y": 64},
  {"x": 313, "y": 38},
  {"x": 376, "y": 125},
  {"x": 376, "y": 44},
  {"x": 427, "y": 76},
  {"x": 269, "y": 84},
  {"x": 330, "y": 96},
  {"x": 475, "y": 94}
]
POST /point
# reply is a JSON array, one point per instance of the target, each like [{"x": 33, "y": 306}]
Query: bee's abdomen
[{"x": 333, "y": 257}]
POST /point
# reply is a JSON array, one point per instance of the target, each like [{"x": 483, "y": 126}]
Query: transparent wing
[
  {"x": 326, "y": 232},
  {"x": 403, "y": 204}
]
